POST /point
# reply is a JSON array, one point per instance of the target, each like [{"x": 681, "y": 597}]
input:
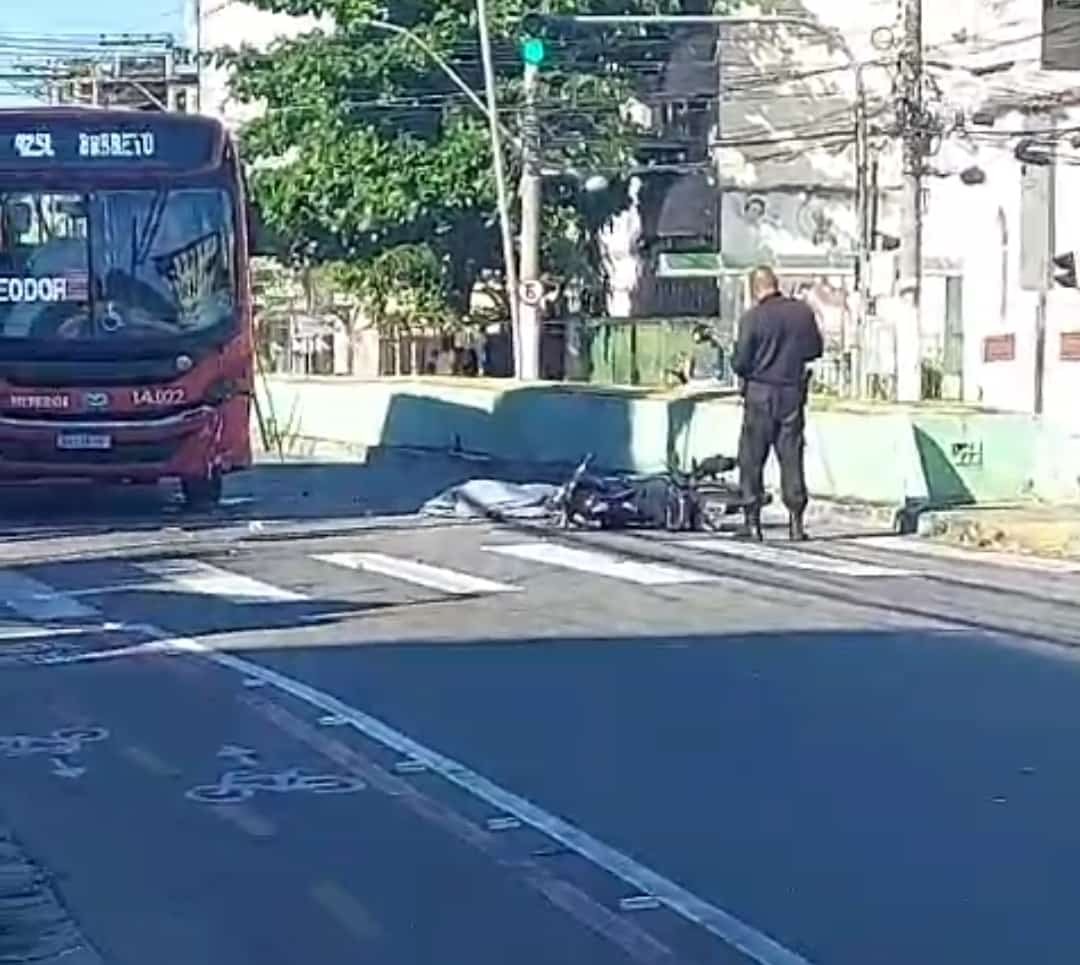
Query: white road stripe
[
  {"x": 421, "y": 574},
  {"x": 794, "y": 559},
  {"x": 754, "y": 944},
  {"x": 39, "y": 601},
  {"x": 136, "y": 650},
  {"x": 601, "y": 564},
  {"x": 193, "y": 576},
  {"x": 925, "y": 547},
  {"x": 10, "y": 633}
]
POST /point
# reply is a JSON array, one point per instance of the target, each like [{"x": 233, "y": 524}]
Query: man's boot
[
  {"x": 797, "y": 529},
  {"x": 751, "y": 527}
]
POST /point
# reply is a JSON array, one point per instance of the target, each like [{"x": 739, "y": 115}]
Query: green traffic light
[{"x": 533, "y": 51}]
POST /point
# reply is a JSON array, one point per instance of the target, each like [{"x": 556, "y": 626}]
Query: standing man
[{"x": 777, "y": 338}]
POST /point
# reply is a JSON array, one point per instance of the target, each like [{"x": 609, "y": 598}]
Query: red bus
[{"x": 126, "y": 346}]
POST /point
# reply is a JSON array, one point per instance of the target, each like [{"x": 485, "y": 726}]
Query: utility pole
[
  {"x": 531, "y": 290},
  {"x": 198, "y": 55},
  {"x": 1050, "y": 214},
  {"x": 500, "y": 184},
  {"x": 909, "y": 112},
  {"x": 172, "y": 90}
]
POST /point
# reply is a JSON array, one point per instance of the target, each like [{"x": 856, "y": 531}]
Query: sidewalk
[
  {"x": 34, "y": 925},
  {"x": 1041, "y": 531}
]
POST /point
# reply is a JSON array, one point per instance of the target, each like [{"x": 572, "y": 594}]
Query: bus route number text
[
  {"x": 117, "y": 144},
  {"x": 34, "y": 145}
]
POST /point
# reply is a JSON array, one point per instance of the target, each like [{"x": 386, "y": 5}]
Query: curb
[
  {"x": 899, "y": 519},
  {"x": 1021, "y": 530}
]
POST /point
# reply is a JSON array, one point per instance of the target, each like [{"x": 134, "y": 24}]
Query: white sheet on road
[{"x": 491, "y": 498}]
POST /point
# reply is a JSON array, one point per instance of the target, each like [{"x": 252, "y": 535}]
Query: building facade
[
  {"x": 786, "y": 171},
  {"x": 771, "y": 177}
]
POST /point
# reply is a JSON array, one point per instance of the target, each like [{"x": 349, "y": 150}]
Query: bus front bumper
[{"x": 184, "y": 444}]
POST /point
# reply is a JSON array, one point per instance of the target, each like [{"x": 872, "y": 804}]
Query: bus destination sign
[
  {"x": 117, "y": 144},
  {"x": 67, "y": 142},
  {"x": 110, "y": 144}
]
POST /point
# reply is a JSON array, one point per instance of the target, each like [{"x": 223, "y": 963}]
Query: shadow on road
[
  {"x": 389, "y": 483},
  {"x": 777, "y": 773}
]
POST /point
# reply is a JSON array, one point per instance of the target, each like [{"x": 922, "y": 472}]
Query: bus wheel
[{"x": 202, "y": 492}]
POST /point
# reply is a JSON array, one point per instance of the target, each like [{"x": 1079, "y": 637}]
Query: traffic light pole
[{"x": 530, "y": 292}]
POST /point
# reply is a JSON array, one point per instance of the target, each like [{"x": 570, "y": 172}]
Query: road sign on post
[{"x": 531, "y": 292}]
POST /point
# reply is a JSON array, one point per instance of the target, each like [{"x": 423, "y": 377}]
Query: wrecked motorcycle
[{"x": 698, "y": 499}]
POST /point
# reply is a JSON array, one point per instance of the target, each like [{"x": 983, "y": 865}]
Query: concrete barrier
[{"x": 869, "y": 453}]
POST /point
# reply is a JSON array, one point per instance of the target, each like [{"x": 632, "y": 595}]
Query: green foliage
[
  {"x": 379, "y": 160},
  {"x": 397, "y": 289}
]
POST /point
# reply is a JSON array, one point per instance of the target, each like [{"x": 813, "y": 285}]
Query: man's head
[{"x": 763, "y": 283}]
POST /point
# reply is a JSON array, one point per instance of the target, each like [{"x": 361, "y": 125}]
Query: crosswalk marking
[
  {"x": 421, "y": 574},
  {"x": 37, "y": 632},
  {"x": 601, "y": 564},
  {"x": 194, "y": 576},
  {"x": 39, "y": 601},
  {"x": 795, "y": 559},
  {"x": 924, "y": 547}
]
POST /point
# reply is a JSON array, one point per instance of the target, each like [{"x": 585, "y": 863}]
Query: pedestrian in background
[{"x": 777, "y": 339}]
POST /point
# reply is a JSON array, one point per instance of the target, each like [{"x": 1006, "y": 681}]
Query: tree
[
  {"x": 381, "y": 160},
  {"x": 396, "y": 289}
]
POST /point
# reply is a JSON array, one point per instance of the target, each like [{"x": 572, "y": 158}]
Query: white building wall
[
  {"x": 234, "y": 25},
  {"x": 977, "y": 227}
]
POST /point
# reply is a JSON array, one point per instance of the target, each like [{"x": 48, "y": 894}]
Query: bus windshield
[{"x": 120, "y": 264}]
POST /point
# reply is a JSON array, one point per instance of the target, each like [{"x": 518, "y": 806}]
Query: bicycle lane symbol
[
  {"x": 236, "y": 786},
  {"x": 60, "y": 743}
]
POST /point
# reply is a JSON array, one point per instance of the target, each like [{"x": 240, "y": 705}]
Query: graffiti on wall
[{"x": 767, "y": 226}]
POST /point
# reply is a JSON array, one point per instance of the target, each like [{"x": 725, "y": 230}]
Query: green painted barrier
[{"x": 877, "y": 454}]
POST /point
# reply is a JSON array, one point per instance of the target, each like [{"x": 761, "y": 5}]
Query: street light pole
[
  {"x": 433, "y": 55},
  {"x": 489, "y": 110},
  {"x": 500, "y": 186}
]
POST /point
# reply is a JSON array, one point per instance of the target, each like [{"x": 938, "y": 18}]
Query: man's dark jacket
[{"x": 777, "y": 337}]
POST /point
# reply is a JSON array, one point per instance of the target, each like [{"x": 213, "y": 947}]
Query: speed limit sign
[{"x": 531, "y": 292}]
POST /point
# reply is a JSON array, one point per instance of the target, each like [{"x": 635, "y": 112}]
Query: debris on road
[
  {"x": 1049, "y": 531},
  {"x": 492, "y": 499},
  {"x": 698, "y": 499}
]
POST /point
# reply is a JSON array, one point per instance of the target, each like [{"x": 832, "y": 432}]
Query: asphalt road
[{"x": 299, "y": 731}]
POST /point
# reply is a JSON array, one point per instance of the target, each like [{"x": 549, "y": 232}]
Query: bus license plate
[{"x": 83, "y": 440}]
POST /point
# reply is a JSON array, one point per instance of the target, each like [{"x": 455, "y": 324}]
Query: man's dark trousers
[{"x": 774, "y": 417}]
